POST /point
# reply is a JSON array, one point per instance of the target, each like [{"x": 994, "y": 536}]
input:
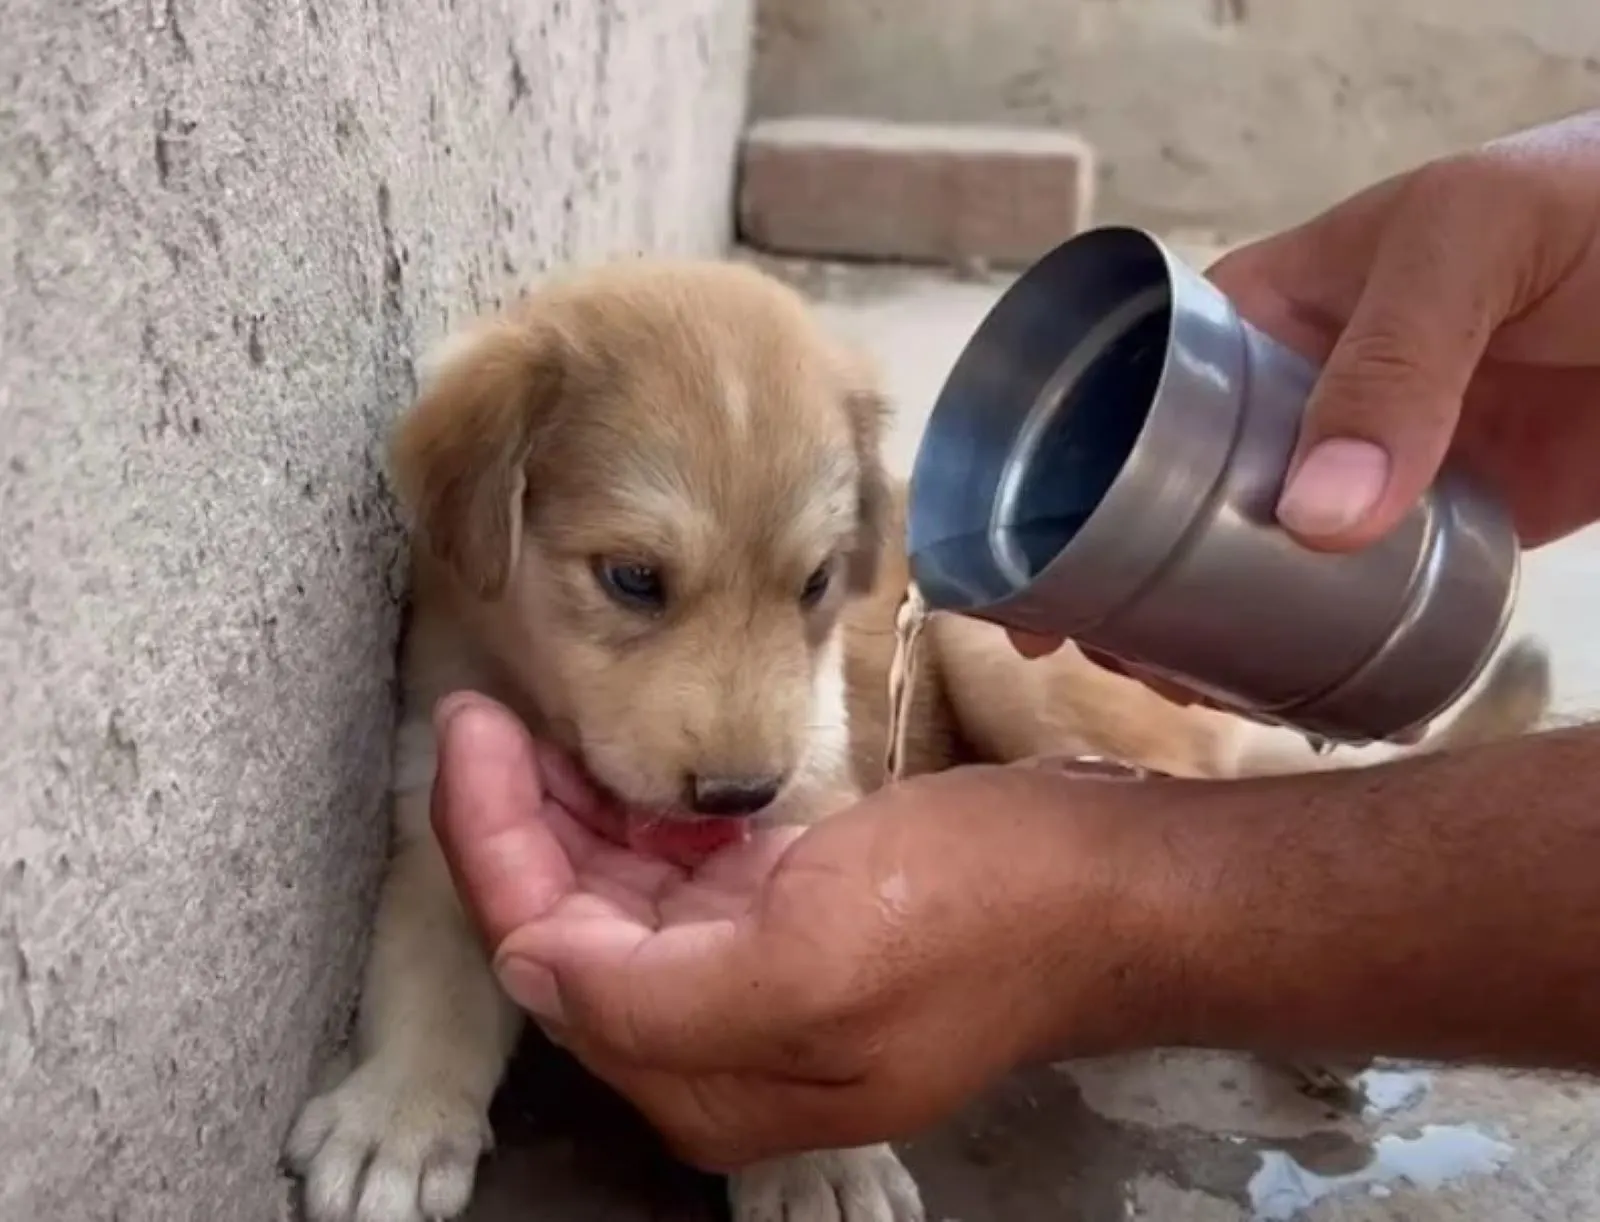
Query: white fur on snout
[
  {"x": 827, "y": 743},
  {"x": 828, "y": 723}
]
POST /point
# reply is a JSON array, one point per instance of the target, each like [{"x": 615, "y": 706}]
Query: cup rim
[{"x": 1125, "y": 538}]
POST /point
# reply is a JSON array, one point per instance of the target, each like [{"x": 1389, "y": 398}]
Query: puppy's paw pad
[
  {"x": 387, "y": 1146},
  {"x": 868, "y": 1184}
]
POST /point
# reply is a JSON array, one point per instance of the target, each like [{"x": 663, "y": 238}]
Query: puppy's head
[{"x": 653, "y": 487}]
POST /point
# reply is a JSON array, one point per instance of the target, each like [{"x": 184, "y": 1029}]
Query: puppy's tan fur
[{"x": 695, "y": 418}]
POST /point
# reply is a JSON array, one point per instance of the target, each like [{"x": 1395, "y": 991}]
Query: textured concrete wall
[
  {"x": 226, "y": 228},
  {"x": 1230, "y": 114}
]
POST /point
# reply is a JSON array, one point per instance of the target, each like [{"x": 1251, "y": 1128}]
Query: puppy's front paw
[
  {"x": 868, "y": 1184},
  {"x": 388, "y": 1145}
]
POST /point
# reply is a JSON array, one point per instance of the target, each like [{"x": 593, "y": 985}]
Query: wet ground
[{"x": 1166, "y": 1137}]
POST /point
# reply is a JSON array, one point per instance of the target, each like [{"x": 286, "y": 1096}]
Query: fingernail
[
  {"x": 452, "y": 706},
  {"x": 531, "y": 986},
  {"x": 1338, "y": 484}
]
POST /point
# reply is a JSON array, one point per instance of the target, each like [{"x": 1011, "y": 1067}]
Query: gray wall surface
[
  {"x": 1217, "y": 115},
  {"x": 226, "y": 230}
]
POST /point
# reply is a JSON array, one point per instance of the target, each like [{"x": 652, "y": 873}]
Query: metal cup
[{"x": 1104, "y": 464}]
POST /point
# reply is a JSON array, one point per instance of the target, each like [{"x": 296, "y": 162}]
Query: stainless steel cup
[{"x": 1104, "y": 464}]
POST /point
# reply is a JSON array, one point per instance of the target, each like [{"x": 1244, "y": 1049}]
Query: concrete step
[{"x": 912, "y": 192}]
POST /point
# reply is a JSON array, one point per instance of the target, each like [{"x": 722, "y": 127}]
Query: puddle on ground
[
  {"x": 1439, "y": 1155},
  {"x": 1388, "y": 1091}
]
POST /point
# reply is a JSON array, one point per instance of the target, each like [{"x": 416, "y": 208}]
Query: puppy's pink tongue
[{"x": 683, "y": 840}]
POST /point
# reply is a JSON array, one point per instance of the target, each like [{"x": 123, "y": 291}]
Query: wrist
[
  {"x": 1149, "y": 892},
  {"x": 1103, "y": 899},
  {"x": 1423, "y": 908}
]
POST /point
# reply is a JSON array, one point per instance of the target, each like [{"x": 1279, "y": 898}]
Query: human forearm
[{"x": 1446, "y": 907}]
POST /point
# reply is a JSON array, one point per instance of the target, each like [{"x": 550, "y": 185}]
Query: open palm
[
  {"x": 610, "y": 882},
  {"x": 542, "y": 847}
]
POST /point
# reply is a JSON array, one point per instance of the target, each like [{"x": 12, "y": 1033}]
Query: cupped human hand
[{"x": 798, "y": 991}]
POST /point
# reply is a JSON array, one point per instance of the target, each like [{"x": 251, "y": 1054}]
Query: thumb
[
  {"x": 1384, "y": 410},
  {"x": 508, "y": 865}
]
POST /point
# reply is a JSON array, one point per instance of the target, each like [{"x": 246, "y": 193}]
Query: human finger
[
  {"x": 508, "y": 865},
  {"x": 1384, "y": 409}
]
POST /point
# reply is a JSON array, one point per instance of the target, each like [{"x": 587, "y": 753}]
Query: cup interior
[
  {"x": 1080, "y": 435},
  {"x": 1041, "y": 413}
]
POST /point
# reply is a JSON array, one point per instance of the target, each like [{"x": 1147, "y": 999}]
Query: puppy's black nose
[{"x": 732, "y": 795}]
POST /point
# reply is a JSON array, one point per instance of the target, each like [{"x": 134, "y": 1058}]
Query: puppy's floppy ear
[
  {"x": 868, "y": 410},
  {"x": 460, "y": 455}
]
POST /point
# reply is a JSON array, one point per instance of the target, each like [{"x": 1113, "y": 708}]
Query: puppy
[
  {"x": 641, "y": 500},
  {"x": 650, "y": 514}
]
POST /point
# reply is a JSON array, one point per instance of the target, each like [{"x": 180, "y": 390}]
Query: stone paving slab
[{"x": 851, "y": 188}]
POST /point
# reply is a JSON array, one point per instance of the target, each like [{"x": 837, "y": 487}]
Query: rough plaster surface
[
  {"x": 1239, "y": 113},
  {"x": 226, "y": 229}
]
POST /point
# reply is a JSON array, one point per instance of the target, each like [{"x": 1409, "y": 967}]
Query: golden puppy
[{"x": 650, "y": 514}]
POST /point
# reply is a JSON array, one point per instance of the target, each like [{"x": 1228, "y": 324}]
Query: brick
[{"x": 842, "y": 188}]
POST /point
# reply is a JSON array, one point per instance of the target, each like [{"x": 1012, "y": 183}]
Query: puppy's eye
[
  {"x": 637, "y": 586},
  {"x": 816, "y": 585}
]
